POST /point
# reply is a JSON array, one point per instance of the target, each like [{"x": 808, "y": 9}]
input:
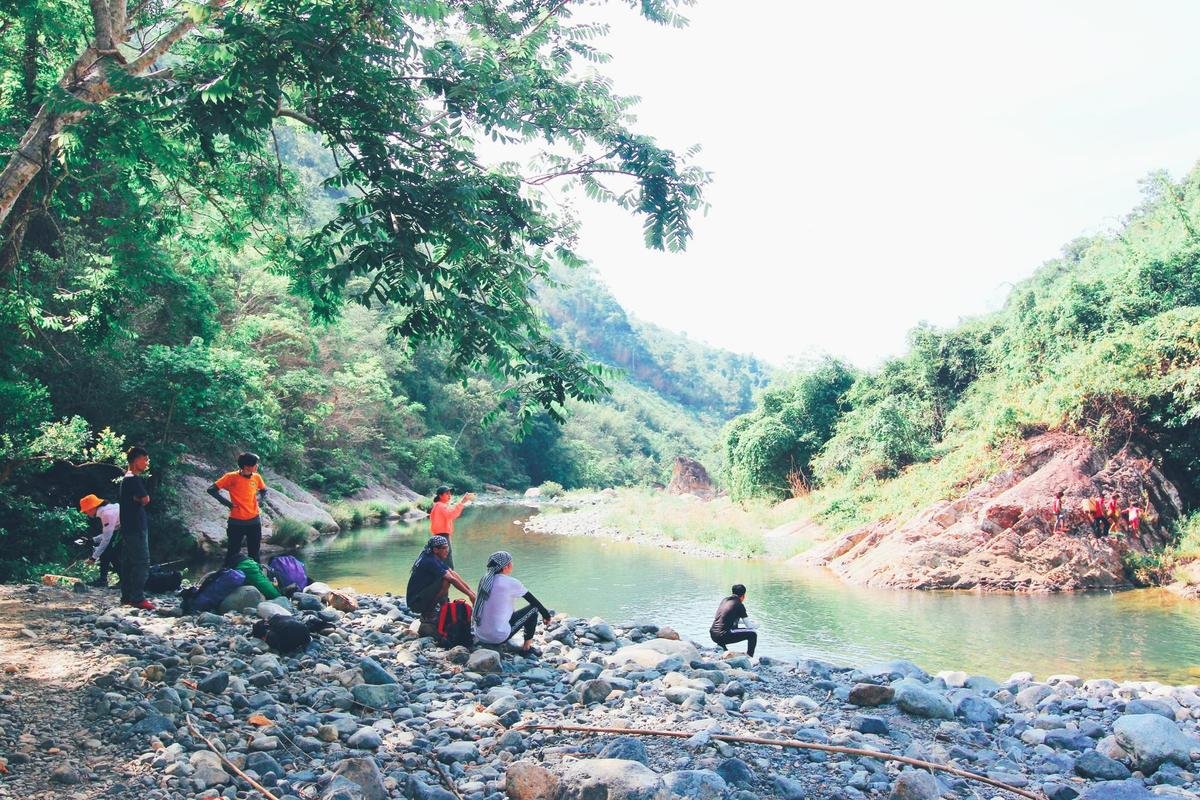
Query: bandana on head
[
  {"x": 496, "y": 562},
  {"x": 434, "y": 541}
]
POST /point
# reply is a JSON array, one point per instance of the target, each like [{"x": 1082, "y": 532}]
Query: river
[{"x": 801, "y": 613}]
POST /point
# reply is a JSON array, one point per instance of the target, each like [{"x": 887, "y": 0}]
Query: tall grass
[{"x": 288, "y": 532}]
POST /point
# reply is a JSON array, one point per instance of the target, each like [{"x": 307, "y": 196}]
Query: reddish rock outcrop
[
  {"x": 999, "y": 535},
  {"x": 690, "y": 477}
]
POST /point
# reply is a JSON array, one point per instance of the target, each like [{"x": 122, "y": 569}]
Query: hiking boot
[{"x": 144, "y": 605}]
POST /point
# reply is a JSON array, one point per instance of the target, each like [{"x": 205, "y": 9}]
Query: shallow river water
[{"x": 1145, "y": 634}]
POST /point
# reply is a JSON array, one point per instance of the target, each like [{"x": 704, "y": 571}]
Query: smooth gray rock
[
  {"x": 594, "y": 691},
  {"x": 1152, "y": 740},
  {"x": 695, "y": 784},
  {"x": 867, "y": 724},
  {"x": 610, "y": 779},
  {"x": 1147, "y": 706},
  {"x": 977, "y": 711},
  {"x": 214, "y": 682},
  {"x": 915, "y": 784},
  {"x": 457, "y": 751},
  {"x": 1117, "y": 790},
  {"x": 365, "y": 739},
  {"x": 626, "y": 748},
  {"x": 153, "y": 725},
  {"x": 363, "y": 773},
  {"x": 374, "y": 673},
  {"x": 484, "y": 661},
  {"x": 1030, "y": 696},
  {"x": 239, "y": 598},
  {"x": 788, "y": 789},
  {"x": 387, "y": 695},
  {"x": 736, "y": 771},
  {"x": 264, "y": 763},
  {"x": 922, "y": 702},
  {"x": 1097, "y": 766}
]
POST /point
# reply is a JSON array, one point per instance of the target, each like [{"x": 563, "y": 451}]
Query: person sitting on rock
[
  {"x": 495, "y": 621},
  {"x": 725, "y": 630},
  {"x": 429, "y": 583}
]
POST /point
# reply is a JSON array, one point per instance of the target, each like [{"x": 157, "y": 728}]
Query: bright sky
[{"x": 877, "y": 163}]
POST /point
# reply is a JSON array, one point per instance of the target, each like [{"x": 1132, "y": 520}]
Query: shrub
[
  {"x": 291, "y": 533},
  {"x": 551, "y": 490},
  {"x": 425, "y": 504},
  {"x": 403, "y": 509},
  {"x": 342, "y": 514},
  {"x": 377, "y": 510}
]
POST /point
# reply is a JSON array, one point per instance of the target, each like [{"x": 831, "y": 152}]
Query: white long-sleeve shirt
[{"x": 109, "y": 515}]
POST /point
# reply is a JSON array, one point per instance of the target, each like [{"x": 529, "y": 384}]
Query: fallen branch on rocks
[
  {"x": 828, "y": 748},
  {"x": 449, "y": 784},
  {"x": 253, "y": 783}
]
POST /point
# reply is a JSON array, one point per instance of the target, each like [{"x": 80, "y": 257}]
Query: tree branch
[
  {"x": 102, "y": 24},
  {"x": 181, "y": 29},
  {"x": 557, "y": 7},
  {"x": 296, "y": 115}
]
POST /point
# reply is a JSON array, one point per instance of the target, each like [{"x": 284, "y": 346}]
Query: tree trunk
[{"x": 29, "y": 59}]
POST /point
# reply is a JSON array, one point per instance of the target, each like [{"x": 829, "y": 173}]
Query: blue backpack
[
  {"x": 215, "y": 587},
  {"x": 288, "y": 573}
]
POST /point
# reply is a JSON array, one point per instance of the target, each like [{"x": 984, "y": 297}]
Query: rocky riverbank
[{"x": 97, "y": 700}]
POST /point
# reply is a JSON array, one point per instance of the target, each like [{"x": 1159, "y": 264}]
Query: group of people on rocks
[
  {"x": 246, "y": 492},
  {"x": 1104, "y": 513}
]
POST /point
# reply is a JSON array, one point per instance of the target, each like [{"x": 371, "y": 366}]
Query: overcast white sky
[{"x": 877, "y": 163}]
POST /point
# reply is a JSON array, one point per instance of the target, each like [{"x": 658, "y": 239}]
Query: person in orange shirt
[
  {"x": 442, "y": 516},
  {"x": 246, "y": 490}
]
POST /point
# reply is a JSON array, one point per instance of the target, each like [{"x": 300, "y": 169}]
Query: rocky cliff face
[
  {"x": 689, "y": 476},
  {"x": 999, "y": 536}
]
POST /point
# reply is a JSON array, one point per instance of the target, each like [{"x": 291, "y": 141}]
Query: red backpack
[{"x": 454, "y": 624}]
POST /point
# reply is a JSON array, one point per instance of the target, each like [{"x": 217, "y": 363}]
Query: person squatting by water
[
  {"x": 429, "y": 583},
  {"x": 247, "y": 490},
  {"x": 495, "y": 621},
  {"x": 135, "y": 531},
  {"x": 442, "y": 516},
  {"x": 725, "y": 630},
  {"x": 106, "y": 551}
]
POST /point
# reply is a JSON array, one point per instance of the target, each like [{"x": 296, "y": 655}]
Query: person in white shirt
[
  {"x": 104, "y": 552},
  {"x": 495, "y": 621}
]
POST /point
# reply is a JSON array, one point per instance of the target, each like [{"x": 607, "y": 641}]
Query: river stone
[
  {"x": 239, "y": 598},
  {"x": 484, "y": 661},
  {"x": 306, "y": 601},
  {"x": 681, "y": 695},
  {"x": 653, "y": 652},
  {"x": 365, "y": 774},
  {"x": 594, "y": 691},
  {"x": 528, "y": 780},
  {"x": 915, "y": 785},
  {"x": 982, "y": 684},
  {"x": 365, "y": 739},
  {"x": 611, "y": 779},
  {"x": 153, "y": 725},
  {"x": 626, "y": 748},
  {"x": 208, "y": 769},
  {"x": 1092, "y": 764},
  {"x": 898, "y": 669},
  {"x": 1030, "y": 696},
  {"x": 269, "y": 608},
  {"x": 1117, "y": 790},
  {"x": 264, "y": 763},
  {"x": 977, "y": 711},
  {"x": 867, "y": 724},
  {"x": 457, "y": 751},
  {"x": 214, "y": 682},
  {"x": 701, "y": 784},
  {"x": 1151, "y": 740},
  {"x": 871, "y": 694},
  {"x": 387, "y": 695},
  {"x": 374, "y": 673},
  {"x": 736, "y": 771},
  {"x": 788, "y": 789},
  {"x": 1145, "y": 706},
  {"x": 922, "y": 702},
  {"x": 65, "y": 774}
]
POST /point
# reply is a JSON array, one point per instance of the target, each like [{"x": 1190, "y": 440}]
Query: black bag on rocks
[
  {"x": 285, "y": 633},
  {"x": 162, "y": 580}
]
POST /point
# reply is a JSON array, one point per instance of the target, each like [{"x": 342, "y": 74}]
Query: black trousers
[
  {"x": 523, "y": 619},
  {"x": 235, "y": 532},
  {"x": 1099, "y": 526},
  {"x": 739, "y": 635},
  {"x": 135, "y": 565},
  {"x": 110, "y": 560}
]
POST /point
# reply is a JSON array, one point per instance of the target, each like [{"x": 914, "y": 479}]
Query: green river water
[{"x": 1144, "y": 634}]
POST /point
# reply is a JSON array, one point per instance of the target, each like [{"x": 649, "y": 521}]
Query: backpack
[
  {"x": 256, "y": 578},
  {"x": 161, "y": 580},
  {"x": 211, "y": 591},
  {"x": 454, "y": 624},
  {"x": 288, "y": 573},
  {"x": 283, "y": 633}
]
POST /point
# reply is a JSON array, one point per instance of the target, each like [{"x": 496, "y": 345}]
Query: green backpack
[{"x": 256, "y": 578}]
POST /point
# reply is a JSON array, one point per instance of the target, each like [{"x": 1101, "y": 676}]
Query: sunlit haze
[{"x": 878, "y": 164}]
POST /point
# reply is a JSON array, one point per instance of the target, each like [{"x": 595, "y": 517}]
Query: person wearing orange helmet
[{"x": 104, "y": 552}]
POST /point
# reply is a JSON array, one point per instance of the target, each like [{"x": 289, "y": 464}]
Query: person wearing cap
[
  {"x": 246, "y": 490},
  {"x": 105, "y": 552},
  {"x": 429, "y": 583},
  {"x": 442, "y": 516}
]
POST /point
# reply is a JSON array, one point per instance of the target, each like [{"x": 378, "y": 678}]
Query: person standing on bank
[
  {"x": 246, "y": 490},
  {"x": 135, "y": 531},
  {"x": 495, "y": 621},
  {"x": 725, "y": 631},
  {"x": 442, "y": 516}
]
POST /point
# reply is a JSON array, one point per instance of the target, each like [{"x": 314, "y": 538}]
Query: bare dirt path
[{"x": 49, "y": 747}]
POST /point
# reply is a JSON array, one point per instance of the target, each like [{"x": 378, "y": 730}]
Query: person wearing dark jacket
[
  {"x": 725, "y": 630},
  {"x": 135, "y": 561},
  {"x": 429, "y": 583}
]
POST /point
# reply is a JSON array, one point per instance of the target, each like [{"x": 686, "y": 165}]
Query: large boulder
[
  {"x": 999, "y": 534},
  {"x": 1151, "y": 740},
  {"x": 611, "y": 779},
  {"x": 528, "y": 780},
  {"x": 288, "y": 499},
  {"x": 239, "y": 598},
  {"x": 922, "y": 702},
  {"x": 689, "y": 476}
]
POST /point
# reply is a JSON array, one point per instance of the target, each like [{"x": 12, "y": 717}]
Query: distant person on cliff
[
  {"x": 1059, "y": 517},
  {"x": 106, "y": 551},
  {"x": 247, "y": 490},
  {"x": 429, "y": 583},
  {"x": 1094, "y": 506},
  {"x": 1112, "y": 510},
  {"x": 135, "y": 531},
  {"x": 442, "y": 516},
  {"x": 725, "y": 630},
  {"x": 1134, "y": 515},
  {"x": 495, "y": 620}
]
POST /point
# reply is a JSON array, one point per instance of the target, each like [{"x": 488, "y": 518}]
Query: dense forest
[
  {"x": 235, "y": 227},
  {"x": 1103, "y": 341}
]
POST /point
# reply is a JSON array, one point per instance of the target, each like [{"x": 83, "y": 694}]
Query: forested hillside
[
  {"x": 231, "y": 227},
  {"x": 1103, "y": 341}
]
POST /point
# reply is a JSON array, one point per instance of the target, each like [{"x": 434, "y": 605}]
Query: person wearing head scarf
[
  {"x": 430, "y": 580},
  {"x": 495, "y": 620}
]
